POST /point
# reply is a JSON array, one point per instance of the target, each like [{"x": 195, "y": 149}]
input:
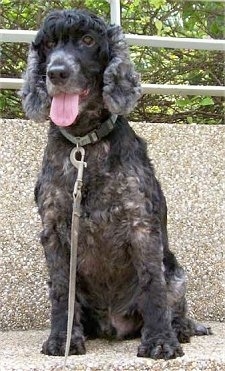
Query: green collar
[{"x": 94, "y": 136}]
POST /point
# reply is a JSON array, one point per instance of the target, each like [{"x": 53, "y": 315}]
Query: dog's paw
[
  {"x": 184, "y": 328},
  {"x": 160, "y": 348},
  {"x": 55, "y": 346}
]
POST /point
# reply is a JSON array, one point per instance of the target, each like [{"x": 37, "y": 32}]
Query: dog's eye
[
  {"x": 50, "y": 44},
  {"x": 88, "y": 40}
]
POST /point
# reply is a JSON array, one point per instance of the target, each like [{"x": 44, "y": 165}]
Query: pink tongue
[{"x": 64, "y": 109}]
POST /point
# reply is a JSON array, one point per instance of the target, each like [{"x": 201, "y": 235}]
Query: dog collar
[{"x": 94, "y": 136}]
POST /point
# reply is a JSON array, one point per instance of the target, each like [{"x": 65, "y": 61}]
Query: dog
[{"x": 128, "y": 282}]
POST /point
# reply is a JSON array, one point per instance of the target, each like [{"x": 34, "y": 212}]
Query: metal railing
[{"x": 20, "y": 36}]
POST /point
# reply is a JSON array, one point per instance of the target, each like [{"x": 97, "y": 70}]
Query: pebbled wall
[{"x": 190, "y": 163}]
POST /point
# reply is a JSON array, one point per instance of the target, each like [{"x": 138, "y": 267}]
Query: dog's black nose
[{"x": 58, "y": 74}]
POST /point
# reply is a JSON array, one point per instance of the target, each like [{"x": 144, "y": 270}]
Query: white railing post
[{"x": 115, "y": 12}]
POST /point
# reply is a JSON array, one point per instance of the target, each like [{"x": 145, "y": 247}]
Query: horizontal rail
[
  {"x": 175, "y": 42},
  {"x": 140, "y": 40},
  {"x": 167, "y": 89},
  {"x": 17, "y": 36},
  {"x": 10, "y": 83}
]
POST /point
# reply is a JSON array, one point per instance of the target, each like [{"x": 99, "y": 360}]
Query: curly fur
[{"x": 128, "y": 281}]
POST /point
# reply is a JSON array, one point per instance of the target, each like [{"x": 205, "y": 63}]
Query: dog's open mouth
[{"x": 65, "y": 108}]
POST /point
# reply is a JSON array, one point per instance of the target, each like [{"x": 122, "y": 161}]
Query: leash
[
  {"x": 94, "y": 136},
  {"x": 77, "y": 196}
]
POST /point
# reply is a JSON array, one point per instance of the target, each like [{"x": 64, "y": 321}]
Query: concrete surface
[{"x": 21, "y": 351}]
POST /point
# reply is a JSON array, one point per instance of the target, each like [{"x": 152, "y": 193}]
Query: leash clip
[{"x": 79, "y": 164}]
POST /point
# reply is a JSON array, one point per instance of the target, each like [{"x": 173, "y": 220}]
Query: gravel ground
[
  {"x": 189, "y": 161},
  {"x": 20, "y": 351}
]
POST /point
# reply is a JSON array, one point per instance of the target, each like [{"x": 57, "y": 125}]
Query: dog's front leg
[
  {"x": 158, "y": 339},
  {"x": 57, "y": 254}
]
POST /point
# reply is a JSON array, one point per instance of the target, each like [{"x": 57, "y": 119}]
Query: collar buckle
[{"x": 94, "y": 136}]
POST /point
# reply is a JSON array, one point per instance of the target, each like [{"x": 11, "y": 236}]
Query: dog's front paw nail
[
  {"x": 77, "y": 347},
  {"x": 51, "y": 347},
  {"x": 55, "y": 346},
  {"x": 160, "y": 351}
]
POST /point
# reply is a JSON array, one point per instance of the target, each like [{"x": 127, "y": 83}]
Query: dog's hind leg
[
  {"x": 176, "y": 288},
  {"x": 183, "y": 326},
  {"x": 158, "y": 338}
]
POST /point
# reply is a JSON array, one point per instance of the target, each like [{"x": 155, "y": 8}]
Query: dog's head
[{"x": 77, "y": 61}]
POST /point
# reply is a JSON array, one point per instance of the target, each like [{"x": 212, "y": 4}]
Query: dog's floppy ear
[
  {"x": 122, "y": 87},
  {"x": 35, "y": 99}
]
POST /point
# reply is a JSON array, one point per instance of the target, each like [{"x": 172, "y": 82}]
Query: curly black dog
[{"x": 128, "y": 281}]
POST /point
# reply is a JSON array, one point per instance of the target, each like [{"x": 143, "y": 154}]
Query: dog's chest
[
  {"x": 102, "y": 246},
  {"x": 105, "y": 266},
  {"x": 110, "y": 204}
]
